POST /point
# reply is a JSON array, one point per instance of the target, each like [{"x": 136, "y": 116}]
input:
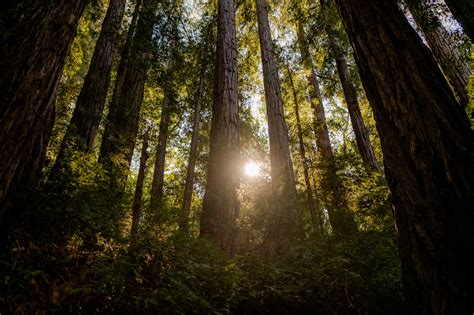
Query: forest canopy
[{"x": 237, "y": 156}]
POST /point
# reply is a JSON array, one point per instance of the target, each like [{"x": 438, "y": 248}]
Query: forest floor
[{"x": 360, "y": 275}]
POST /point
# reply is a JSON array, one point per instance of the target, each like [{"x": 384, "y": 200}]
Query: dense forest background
[{"x": 247, "y": 156}]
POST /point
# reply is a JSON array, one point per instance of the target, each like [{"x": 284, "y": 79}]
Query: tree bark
[
  {"x": 340, "y": 216},
  {"x": 360, "y": 130},
  {"x": 429, "y": 155},
  {"x": 312, "y": 205},
  {"x": 35, "y": 38},
  {"x": 156, "y": 194},
  {"x": 121, "y": 126},
  {"x": 188, "y": 188},
  {"x": 286, "y": 222},
  {"x": 137, "y": 200},
  {"x": 462, "y": 11},
  {"x": 448, "y": 57},
  {"x": 82, "y": 129},
  {"x": 221, "y": 207}
]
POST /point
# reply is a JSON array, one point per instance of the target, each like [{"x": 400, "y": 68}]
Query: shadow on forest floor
[{"x": 187, "y": 276}]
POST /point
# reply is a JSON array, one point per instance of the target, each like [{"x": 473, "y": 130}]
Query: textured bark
[
  {"x": 156, "y": 194},
  {"x": 456, "y": 69},
  {"x": 35, "y": 38},
  {"x": 360, "y": 130},
  {"x": 428, "y": 152},
  {"x": 462, "y": 11},
  {"x": 121, "y": 126},
  {"x": 87, "y": 115},
  {"x": 340, "y": 216},
  {"x": 313, "y": 207},
  {"x": 188, "y": 188},
  {"x": 286, "y": 224},
  {"x": 221, "y": 207},
  {"x": 137, "y": 200}
]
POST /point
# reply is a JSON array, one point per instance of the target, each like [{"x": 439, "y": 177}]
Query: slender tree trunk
[
  {"x": 188, "y": 188},
  {"x": 462, "y": 11},
  {"x": 360, "y": 131},
  {"x": 312, "y": 206},
  {"x": 428, "y": 152},
  {"x": 340, "y": 216},
  {"x": 156, "y": 194},
  {"x": 221, "y": 207},
  {"x": 82, "y": 129},
  {"x": 456, "y": 69},
  {"x": 121, "y": 126},
  {"x": 286, "y": 223},
  {"x": 320, "y": 213},
  {"x": 35, "y": 38},
  {"x": 137, "y": 200}
]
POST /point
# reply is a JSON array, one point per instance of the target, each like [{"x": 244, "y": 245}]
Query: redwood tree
[
  {"x": 340, "y": 216},
  {"x": 462, "y": 11},
  {"x": 428, "y": 151},
  {"x": 220, "y": 206},
  {"x": 360, "y": 130},
  {"x": 313, "y": 206},
  {"x": 188, "y": 187},
  {"x": 454, "y": 65},
  {"x": 121, "y": 126},
  {"x": 82, "y": 129},
  {"x": 156, "y": 194},
  {"x": 285, "y": 224},
  {"x": 35, "y": 38},
  {"x": 137, "y": 199}
]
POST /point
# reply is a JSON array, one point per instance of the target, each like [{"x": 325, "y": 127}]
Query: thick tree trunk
[
  {"x": 82, "y": 129},
  {"x": 312, "y": 205},
  {"x": 429, "y": 155},
  {"x": 156, "y": 194},
  {"x": 360, "y": 131},
  {"x": 462, "y": 11},
  {"x": 340, "y": 216},
  {"x": 137, "y": 200},
  {"x": 121, "y": 126},
  {"x": 286, "y": 224},
  {"x": 221, "y": 207},
  {"x": 456, "y": 69},
  {"x": 188, "y": 188},
  {"x": 35, "y": 38}
]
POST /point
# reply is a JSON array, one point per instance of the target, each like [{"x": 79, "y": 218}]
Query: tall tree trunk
[
  {"x": 462, "y": 11},
  {"x": 286, "y": 225},
  {"x": 221, "y": 208},
  {"x": 35, "y": 38},
  {"x": 121, "y": 126},
  {"x": 188, "y": 188},
  {"x": 456, "y": 69},
  {"x": 137, "y": 200},
  {"x": 429, "y": 155},
  {"x": 82, "y": 129},
  {"x": 340, "y": 216},
  {"x": 360, "y": 131},
  {"x": 313, "y": 207},
  {"x": 156, "y": 194}
]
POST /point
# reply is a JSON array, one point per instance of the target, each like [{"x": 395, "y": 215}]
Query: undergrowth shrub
[{"x": 188, "y": 276}]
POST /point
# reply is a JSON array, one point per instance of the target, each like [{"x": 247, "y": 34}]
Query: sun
[{"x": 252, "y": 169}]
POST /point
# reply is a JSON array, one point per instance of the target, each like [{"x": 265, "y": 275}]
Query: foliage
[
  {"x": 82, "y": 200},
  {"x": 185, "y": 276}
]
